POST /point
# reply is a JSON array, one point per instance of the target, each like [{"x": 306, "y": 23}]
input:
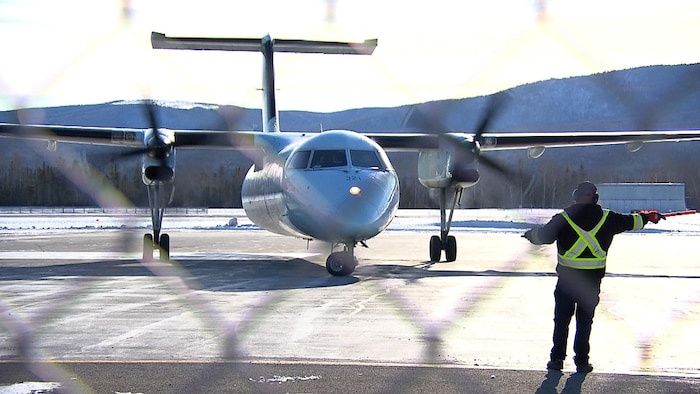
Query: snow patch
[
  {"x": 30, "y": 388},
  {"x": 286, "y": 379},
  {"x": 170, "y": 104}
]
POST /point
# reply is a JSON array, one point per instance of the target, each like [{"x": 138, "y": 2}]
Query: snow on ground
[
  {"x": 30, "y": 388},
  {"x": 13, "y": 220}
]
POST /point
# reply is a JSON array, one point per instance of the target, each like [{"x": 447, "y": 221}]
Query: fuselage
[{"x": 336, "y": 186}]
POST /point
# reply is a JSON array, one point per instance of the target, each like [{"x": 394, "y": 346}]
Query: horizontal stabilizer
[{"x": 161, "y": 41}]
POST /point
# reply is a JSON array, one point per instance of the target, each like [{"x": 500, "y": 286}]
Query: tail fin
[{"x": 267, "y": 46}]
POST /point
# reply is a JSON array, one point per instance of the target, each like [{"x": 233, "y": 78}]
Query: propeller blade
[
  {"x": 428, "y": 117},
  {"x": 497, "y": 166},
  {"x": 133, "y": 152},
  {"x": 151, "y": 114},
  {"x": 495, "y": 103}
]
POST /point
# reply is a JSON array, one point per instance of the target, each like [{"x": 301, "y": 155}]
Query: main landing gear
[
  {"x": 342, "y": 263},
  {"x": 445, "y": 242},
  {"x": 150, "y": 244},
  {"x": 158, "y": 199}
]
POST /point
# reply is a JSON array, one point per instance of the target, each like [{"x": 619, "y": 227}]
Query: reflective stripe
[
  {"x": 588, "y": 263},
  {"x": 586, "y": 240},
  {"x": 638, "y": 221}
]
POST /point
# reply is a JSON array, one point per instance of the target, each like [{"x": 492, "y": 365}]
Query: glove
[
  {"x": 654, "y": 217},
  {"x": 528, "y": 235}
]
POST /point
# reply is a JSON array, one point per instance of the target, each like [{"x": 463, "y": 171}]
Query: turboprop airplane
[{"x": 336, "y": 186}]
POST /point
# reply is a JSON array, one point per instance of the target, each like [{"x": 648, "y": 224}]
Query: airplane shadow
[
  {"x": 426, "y": 270},
  {"x": 240, "y": 275},
  {"x": 257, "y": 274}
]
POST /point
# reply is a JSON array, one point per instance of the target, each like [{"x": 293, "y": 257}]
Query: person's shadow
[{"x": 572, "y": 386}]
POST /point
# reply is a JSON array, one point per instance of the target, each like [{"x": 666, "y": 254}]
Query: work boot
[
  {"x": 555, "y": 365},
  {"x": 582, "y": 365}
]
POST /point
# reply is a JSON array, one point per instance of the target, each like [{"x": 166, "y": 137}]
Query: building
[{"x": 626, "y": 197}]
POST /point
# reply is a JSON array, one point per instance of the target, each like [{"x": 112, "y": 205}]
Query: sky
[{"x": 87, "y": 51}]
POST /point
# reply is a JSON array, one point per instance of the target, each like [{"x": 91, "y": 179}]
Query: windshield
[
  {"x": 299, "y": 160},
  {"x": 329, "y": 158},
  {"x": 365, "y": 159}
]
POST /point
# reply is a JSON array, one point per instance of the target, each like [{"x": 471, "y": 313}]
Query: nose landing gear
[{"x": 342, "y": 263}]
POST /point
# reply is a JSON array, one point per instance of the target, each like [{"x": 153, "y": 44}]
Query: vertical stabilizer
[
  {"x": 267, "y": 46},
  {"x": 269, "y": 109}
]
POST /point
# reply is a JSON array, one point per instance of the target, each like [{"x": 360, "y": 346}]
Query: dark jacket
[{"x": 585, "y": 216}]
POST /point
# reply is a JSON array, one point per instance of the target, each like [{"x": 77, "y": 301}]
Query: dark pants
[{"x": 577, "y": 292}]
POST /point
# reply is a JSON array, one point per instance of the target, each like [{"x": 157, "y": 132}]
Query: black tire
[
  {"x": 341, "y": 264},
  {"x": 147, "y": 247},
  {"x": 435, "y": 248},
  {"x": 451, "y": 249},
  {"x": 164, "y": 247}
]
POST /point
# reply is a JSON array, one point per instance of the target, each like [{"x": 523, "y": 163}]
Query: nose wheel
[{"x": 342, "y": 263}]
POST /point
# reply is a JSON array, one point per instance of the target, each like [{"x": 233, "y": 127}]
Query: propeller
[
  {"x": 158, "y": 148},
  {"x": 431, "y": 116}
]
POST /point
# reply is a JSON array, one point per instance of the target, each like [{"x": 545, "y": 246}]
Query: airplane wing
[
  {"x": 134, "y": 138},
  {"x": 77, "y": 134},
  {"x": 131, "y": 137},
  {"x": 515, "y": 140}
]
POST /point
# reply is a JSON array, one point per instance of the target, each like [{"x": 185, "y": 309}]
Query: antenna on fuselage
[{"x": 267, "y": 46}]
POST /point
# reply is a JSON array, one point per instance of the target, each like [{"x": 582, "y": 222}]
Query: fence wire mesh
[{"x": 238, "y": 294}]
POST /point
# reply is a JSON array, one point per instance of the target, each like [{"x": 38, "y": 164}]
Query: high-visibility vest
[{"x": 586, "y": 240}]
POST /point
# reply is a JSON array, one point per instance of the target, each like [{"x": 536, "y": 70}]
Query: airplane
[{"x": 336, "y": 186}]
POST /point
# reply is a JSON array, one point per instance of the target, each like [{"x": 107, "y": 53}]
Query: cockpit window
[
  {"x": 329, "y": 158},
  {"x": 299, "y": 160},
  {"x": 365, "y": 159}
]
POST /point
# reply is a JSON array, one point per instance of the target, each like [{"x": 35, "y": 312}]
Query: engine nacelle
[
  {"x": 157, "y": 174},
  {"x": 438, "y": 169},
  {"x": 465, "y": 177},
  {"x": 159, "y": 163}
]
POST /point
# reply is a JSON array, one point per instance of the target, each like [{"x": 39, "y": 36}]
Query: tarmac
[{"x": 252, "y": 312}]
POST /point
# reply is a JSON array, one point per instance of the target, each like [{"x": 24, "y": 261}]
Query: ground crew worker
[{"x": 583, "y": 232}]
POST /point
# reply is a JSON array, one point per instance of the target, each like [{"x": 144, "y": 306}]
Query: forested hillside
[{"x": 649, "y": 98}]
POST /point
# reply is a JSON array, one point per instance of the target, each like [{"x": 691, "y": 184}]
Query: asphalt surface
[
  {"x": 249, "y": 311},
  {"x": 228, "y": 377}
]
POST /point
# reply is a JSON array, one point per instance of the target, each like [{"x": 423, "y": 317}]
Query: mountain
[{"x": 646, "y": 98}]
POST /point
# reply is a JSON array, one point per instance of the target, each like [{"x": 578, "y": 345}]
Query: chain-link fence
[{"x": 220, "y": 299}]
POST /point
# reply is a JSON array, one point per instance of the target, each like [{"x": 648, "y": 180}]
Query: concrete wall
[{"x": 625, "y": 197}]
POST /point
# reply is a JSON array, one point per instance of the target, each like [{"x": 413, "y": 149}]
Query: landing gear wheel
[
  {"x": 147, "y": 247},
  {"x": 341, "y": 263},
  {"x": 451, "y": 249},
  {"x": 164, "y": 247},
  {"x": 435, "y": 248}
]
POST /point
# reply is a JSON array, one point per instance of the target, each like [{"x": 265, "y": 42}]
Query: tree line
[{"x": 202, "y": 180}]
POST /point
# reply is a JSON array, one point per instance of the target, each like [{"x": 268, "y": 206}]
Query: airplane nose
[
  {"x": 359, "y": 215},
  {"x": 354, "y": 211}
]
